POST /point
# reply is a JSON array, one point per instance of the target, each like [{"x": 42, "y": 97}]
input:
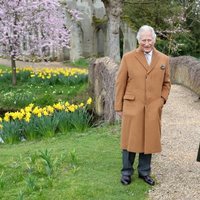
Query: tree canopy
[{"x": 176, "y": 22}]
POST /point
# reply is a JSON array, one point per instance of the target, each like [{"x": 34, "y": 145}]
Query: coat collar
[{"x": 141, "y": 58}]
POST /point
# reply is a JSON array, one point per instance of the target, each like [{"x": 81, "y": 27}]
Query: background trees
[{"x": 177, "y": 23}]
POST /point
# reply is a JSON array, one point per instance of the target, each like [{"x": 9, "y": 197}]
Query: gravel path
[{"x": 176, "y": 169}]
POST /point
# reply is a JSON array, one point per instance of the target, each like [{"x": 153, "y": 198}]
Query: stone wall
[
  {"x": 89, "y": 36},
  {"x": 185, "y": 70}
]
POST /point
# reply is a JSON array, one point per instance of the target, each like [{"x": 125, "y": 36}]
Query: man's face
[{"x": 146, "y": 42}]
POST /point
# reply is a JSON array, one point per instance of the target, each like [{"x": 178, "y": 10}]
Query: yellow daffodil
[
  {"x": 28, "y": 109},
  {"x": 71, "y": 108},
  {"x": 31, "y": 105},
  {"x": 67, "y": 104},
  {"x": 27, "y": 119},
  {"x": 36, "y": 110},
  {"x": 7, "y": 118},
  {"x": 45, "y": 113},
  {"x": 48, "y": 73},
  {"x": 22, "y": 111},
  {"x": 58, "y": 106},
  {"x": 81, "y": 105},
  {"x": 89, "y": 101},
  {"x": 39, "y": 115},
  {"x": 50, "y": 109}
]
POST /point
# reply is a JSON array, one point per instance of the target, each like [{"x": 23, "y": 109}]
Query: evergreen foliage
[{"x": 177, "y": 23}]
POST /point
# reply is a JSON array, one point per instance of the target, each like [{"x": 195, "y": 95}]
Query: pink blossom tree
[{"x": 37, "y": 23}]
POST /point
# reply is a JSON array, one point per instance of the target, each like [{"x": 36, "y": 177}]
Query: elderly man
[{"x": 142, "y": 88}]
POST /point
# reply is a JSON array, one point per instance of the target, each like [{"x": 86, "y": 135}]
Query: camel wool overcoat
[{"x": 140, "y": 93}]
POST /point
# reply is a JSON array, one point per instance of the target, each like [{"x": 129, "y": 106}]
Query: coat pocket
[{"x": 129, "y": 97}]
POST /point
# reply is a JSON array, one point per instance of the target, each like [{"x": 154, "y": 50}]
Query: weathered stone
[
  {"x": 185, "y": 70},
  {"x": 129, "y": 37},
  {"x": 84, "y": 34},
  {"x": 76, "y": 43},
  {"x": 113, "y": 11},
  {"x": 102, "y": 74},
  {"x": 100, "y": 35}
]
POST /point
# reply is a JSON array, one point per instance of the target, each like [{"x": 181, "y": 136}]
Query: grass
[
  {"x": 80, "y": 166},
  {"x": 80, "y": 63},
  {"x": 19, "y": 96},
  {"x": 4, "y": 67},
  {"x": 41, "y": 94},
  {"x": 16, "y": 97}
]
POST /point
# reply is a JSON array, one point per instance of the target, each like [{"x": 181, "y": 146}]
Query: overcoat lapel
[
  {"x": 141, "y": 58},
  {"x": 154, "y": 60}
]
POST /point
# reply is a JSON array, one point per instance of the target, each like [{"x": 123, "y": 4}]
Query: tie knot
[{"x": 147, "y": 54}]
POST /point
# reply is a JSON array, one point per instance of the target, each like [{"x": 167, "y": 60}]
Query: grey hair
[{"x": 146, "y": 28}]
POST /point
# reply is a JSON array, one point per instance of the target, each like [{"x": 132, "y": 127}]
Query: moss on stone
[{"x": 98, "y": 21}]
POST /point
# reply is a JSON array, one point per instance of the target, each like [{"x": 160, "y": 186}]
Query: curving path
[{"x": 176, "y": 169}]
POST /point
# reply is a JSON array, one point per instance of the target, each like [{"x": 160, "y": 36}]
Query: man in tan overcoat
[{"x": 142, "y": 88}]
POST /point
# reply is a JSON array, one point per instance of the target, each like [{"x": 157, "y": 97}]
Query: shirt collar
[{"x": 150, "y": 53}]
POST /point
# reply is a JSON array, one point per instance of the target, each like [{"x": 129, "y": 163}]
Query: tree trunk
[
  {"x": 113, "y": 10},
  {"x": 14, "y": 73}
]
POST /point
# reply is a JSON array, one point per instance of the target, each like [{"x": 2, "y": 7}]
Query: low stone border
[{"x": 185, "y": 70}]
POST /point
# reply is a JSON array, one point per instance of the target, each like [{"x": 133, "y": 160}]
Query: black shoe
[
  {"x": 147, "y": 179},
  {"x": 126, "y": 180}
]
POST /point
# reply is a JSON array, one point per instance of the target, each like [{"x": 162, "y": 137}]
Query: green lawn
[
  {"x": 17, "y": 97},
  {"x": 41, "y": 94},
  {"x": 80, "y": 63},
  {"x": 77, "y": 166},
  {"x": 5, "y": 67}
]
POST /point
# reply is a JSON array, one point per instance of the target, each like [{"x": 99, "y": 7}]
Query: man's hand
[{"x": 163, "y": 100}]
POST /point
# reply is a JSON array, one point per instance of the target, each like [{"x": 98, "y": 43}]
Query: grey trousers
[{"x": 144, "y": 164}]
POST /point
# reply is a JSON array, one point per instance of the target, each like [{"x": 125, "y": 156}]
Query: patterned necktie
[{"x": 148, "y": 58}]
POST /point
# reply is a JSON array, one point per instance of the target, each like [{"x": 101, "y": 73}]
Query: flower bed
[
  {"x": 50, "y": 76},
  {"x": 35, "y": 122}
]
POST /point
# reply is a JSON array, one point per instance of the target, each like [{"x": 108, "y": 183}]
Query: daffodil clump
[
  {"x": 48, "y": 75},
  {"x": 34, "y": 122},
  {"x": 49, "y": 72}
]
